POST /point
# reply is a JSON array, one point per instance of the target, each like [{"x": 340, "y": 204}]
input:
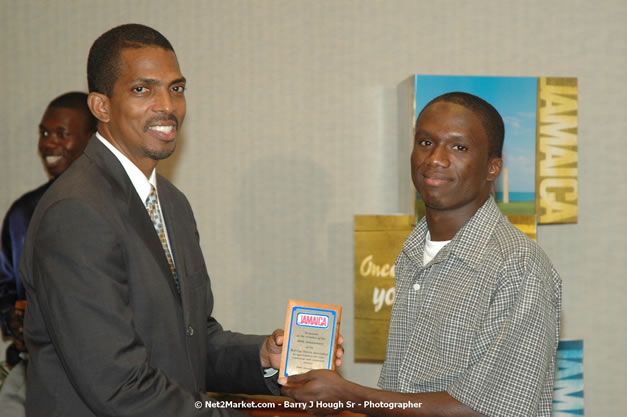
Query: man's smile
[
  {"x": 435, "y": 179},
  {"x": 52, "y": 159},
  {"x": 166, "y": 132},
  {"x": 165, "y": 128}
]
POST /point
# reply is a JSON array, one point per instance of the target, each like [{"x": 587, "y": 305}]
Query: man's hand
[
  {"x": 16, "y": 327},
  {"x": 340, "y": 351},
  {"x": 271, "y": 350},
  {"x": 325, "y": 392},
  {"x": 317, "y": 387}
]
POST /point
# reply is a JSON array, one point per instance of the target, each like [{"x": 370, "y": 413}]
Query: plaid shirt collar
[{"x": 478, "y": 229}]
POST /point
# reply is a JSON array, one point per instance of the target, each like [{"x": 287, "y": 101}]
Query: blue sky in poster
[{"x": 515, "y": 98}]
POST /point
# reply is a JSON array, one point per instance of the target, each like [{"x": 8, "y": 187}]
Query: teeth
[
  {"x": 162, "y": 129},
  {"x": 52, "y": 159}
]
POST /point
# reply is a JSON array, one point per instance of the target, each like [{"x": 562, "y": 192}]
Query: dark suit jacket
[
  {"x": 107, "y": 332},
  {"x": 14, "y": 229}
]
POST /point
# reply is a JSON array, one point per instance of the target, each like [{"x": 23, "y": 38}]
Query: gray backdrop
[{"x": 294, "y": 126}]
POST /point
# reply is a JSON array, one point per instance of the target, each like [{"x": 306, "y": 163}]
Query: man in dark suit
[{"x": 119, "y": 301}]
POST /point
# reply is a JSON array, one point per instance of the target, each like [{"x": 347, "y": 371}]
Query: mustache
[{"x": 165, "y": 118}]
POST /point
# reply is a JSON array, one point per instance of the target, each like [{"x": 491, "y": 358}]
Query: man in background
[
  {"x": 475, "y": 322},
  {"x": 64, "y": 130}
]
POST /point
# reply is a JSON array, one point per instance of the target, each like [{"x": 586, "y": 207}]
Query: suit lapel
[
  {"x": 130, "y": 202},
  {"x": 141, "y": 221}
]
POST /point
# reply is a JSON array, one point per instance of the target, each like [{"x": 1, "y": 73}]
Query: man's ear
[
  {"x": 494, "y": 168},
  {"x": 99, "y": 105}
]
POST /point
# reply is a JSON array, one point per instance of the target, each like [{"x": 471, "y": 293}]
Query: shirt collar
[
  {"x": 472, "y": 239},
  {"x": 140, "y": 182},
  {"x": 469, "y": 242}
]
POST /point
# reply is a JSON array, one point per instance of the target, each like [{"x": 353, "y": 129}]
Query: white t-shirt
[{"x": 432, "y": 248}]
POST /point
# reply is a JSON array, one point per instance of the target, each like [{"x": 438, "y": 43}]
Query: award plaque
[{"x": 311, "y": 332}]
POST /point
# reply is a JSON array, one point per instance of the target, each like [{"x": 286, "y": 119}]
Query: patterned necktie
[{"x": 152, "y": 205}]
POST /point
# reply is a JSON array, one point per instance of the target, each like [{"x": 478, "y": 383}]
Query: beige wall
[{"x": 293, "y": 127}]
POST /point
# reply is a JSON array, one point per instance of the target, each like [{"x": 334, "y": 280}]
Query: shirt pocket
[{"x": 454, "y": 340}]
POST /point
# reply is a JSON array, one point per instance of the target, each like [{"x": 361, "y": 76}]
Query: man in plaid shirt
[{"x": 475, "y": 322}]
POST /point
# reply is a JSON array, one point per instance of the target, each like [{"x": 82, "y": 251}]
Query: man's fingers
[{"x": 277, "y": 337}]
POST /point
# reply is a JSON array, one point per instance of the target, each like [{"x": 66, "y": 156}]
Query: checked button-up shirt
[{"x": 480, "y": 321}]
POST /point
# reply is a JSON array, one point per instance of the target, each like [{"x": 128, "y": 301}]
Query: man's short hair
[
  {"x": 76, "y": 100},
  {"x": 103, "y": 63},
  {"x": 490, "y": 118}
]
